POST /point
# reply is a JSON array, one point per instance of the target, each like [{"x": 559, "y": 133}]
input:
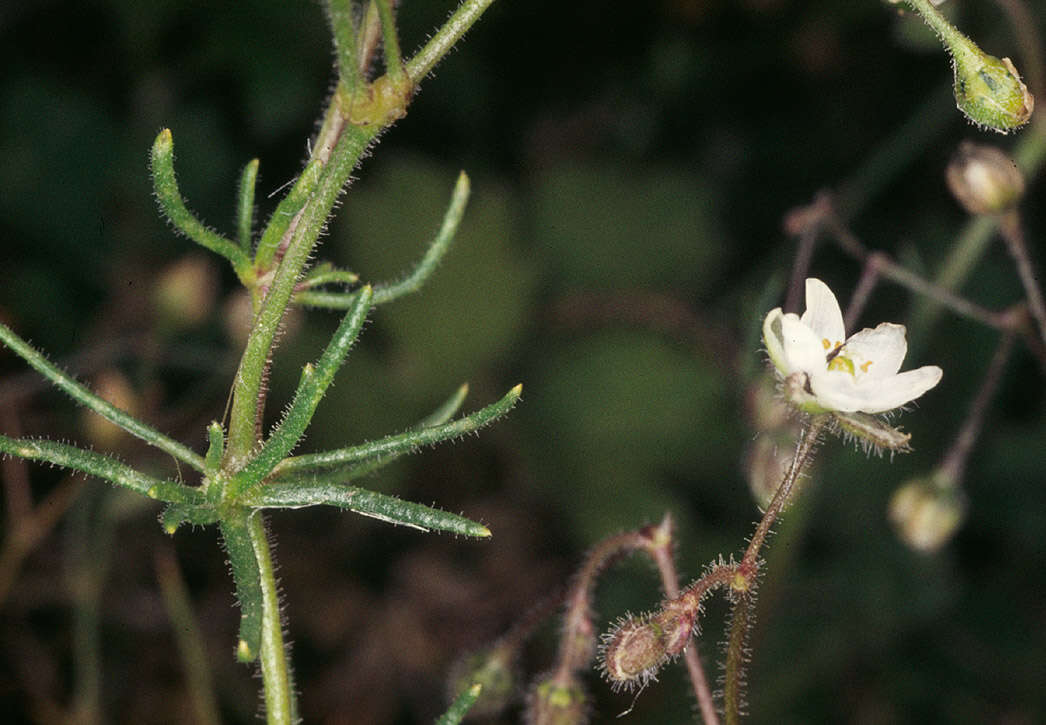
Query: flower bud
[
  {"x": 638, "y": 647},
  {"x": 185, "y": 292},
  {"x": 926, "y": 512},
  {"x": 112, "y": 386},
  {"x": 989, "y": 91},
  {"x": 493, "y": 670},
  {"x": 553, "y": 702},
  {"x": 984, "y": 179}
]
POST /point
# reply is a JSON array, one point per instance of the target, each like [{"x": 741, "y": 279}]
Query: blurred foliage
[{"x": 630, "y": 172}]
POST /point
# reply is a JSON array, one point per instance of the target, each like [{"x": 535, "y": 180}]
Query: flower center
[{"x": 837, "y": 361}]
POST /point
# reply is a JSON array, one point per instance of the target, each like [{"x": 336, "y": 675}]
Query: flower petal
[
  {"x": 772, "y": 338},
  {"x": 823, "y": 315},
  {"x": 841, "y": 391},
  {"x": 802, "y": 346},
  {"x": 878, "y": 353}
]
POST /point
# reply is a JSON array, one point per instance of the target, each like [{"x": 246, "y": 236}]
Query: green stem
[
  {"x": 450, "y": 33},
  {"x": 807, "y": 443},
  {"x": 733, "y": 676},
  {"x": 314, "y": 383},
  {"x": 104, "y": 408},
  {"x": 343, "y": 26},
  {"x": 390, "y": 41},
  {"x": 303, "y": 235},
  {"x": 276, "y": 674}
]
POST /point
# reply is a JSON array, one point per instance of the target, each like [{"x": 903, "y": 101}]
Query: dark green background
[{"x": 631, "y": 165}]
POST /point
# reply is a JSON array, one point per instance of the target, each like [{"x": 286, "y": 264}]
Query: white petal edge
[
  {"x": 838, "y": 390},
  {"x": 773, "y": 341},
  {"x": 823, "y": 315},
  {"x": 884, "y": 346}
]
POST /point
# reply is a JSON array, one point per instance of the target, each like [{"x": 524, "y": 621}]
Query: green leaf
[
  {"x": 367, "y": 503},
  {"x": 446, "y": 411},
  {"x": 177, "y": 514},
  {"x": 314, "y": 382},
  {"x": 281, "y": 219},
  {"x": 461, "y": 705},
  {"x": 247, "y": 576},
  {"x": 104, "y": 408},
  {"x": 437, "y": 248},
  {"x": 389, "y": 447},
  {"x": 96, "y": 464},
  {"x": 165, "y": 186},
  {"x": 245, "y": 205}
]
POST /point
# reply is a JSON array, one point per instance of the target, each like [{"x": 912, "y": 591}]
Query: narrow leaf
[
  {"x": 165, "y": 186},
  {"x": 367, "y": 503},
  {"x": 104, "y": 408},
  {"x": 245, "y": 205},
  {"x": 396, "y": 445},
  {"x": 446, "y": 411},
  {"x": 440, "y": 244},
  {"x": 461, "y": 705},
  {"x": 285, "y": 213},
  {"x": 245, "y": 573},
  {"x": 100, "y": 466},
  {"x": 313, "y": 385},
  {"x": 327, "y": 274},
  {"x": 215, "y": 448},
  {"x": 177, "y": 514}
]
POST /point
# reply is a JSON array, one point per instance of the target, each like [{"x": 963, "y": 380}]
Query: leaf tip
[{"x": 243, "y": 652}]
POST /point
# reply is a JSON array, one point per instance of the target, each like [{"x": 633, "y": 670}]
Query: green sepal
[
  {"x": 461, "y": 705},
  {"x": 165, "y": 186},
  {"x": 177, "y": 514},
  {"x": 366, "y": 503},
  {"x": 247, "y": 577},
  {"x": 285, "y": 212}
]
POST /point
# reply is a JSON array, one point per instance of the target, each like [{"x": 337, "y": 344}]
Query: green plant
[{"x": 244, "y": 472}]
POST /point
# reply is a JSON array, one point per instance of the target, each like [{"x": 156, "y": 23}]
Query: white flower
[{"x": 825, "y": 371}]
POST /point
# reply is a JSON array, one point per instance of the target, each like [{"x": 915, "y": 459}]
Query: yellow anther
[
  {"x": 826, "y": 343},
  {"x": 864, "y": 366},
  {"x": 840, "y": 362}
]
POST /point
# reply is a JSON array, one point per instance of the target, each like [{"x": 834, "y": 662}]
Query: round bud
[
  {"x": 984, "y": 179},
  {"x": 554, "y": 702},
  {"x": 925, "y": 513}
]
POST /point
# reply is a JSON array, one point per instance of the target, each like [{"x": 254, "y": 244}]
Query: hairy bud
[
  {"x": 984, "y": 179},
  {"x": 555, "y": 702},
  {"x": 634, "y": 651}
]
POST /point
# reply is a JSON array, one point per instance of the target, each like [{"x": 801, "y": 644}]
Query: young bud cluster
[{"x": 638, "y": 647}]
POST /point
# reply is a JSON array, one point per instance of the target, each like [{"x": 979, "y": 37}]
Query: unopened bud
[
  {"x": 987, "y": 90},
  {"x": 494, "y": 671},
  {"x": 554, "y": 702},
  {"x": 926, "y": 512},
  {"x": 185, "y": 292},
  {"x": 634, "y": 651},
  {"x": 113, "y": 387},
  {"x": 984, "y": 179}
]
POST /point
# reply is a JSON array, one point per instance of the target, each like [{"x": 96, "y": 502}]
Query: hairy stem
[{"x": 280, "y": 707}]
